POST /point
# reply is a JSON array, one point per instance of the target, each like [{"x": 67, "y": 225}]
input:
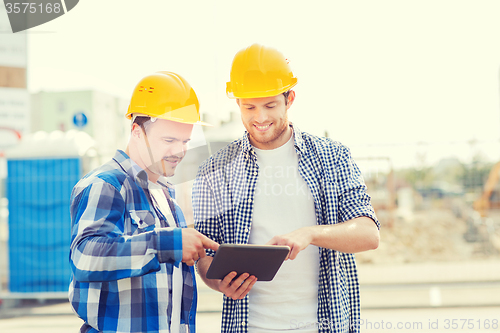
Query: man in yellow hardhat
[
  {"x": 131, "y": 254},
  {"x": 278, "y": 185}
]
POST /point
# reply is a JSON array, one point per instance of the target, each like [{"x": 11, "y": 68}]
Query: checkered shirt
[
  {"x": 123, "y": 253},
  {"x": 223, "y": 195}
]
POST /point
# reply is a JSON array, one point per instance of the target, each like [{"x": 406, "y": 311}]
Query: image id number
[
  {"x": 470, "y": 324},
  {"x": 26, "y": 7}
]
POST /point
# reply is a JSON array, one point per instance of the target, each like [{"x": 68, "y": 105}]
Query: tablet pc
[{"x": 262, "y": 261}]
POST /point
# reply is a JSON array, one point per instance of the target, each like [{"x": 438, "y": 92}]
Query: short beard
[
  {"x": 161, "y": 168},
  {"x": 279, "y": 133}
]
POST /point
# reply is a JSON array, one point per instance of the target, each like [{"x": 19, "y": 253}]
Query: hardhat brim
[{"x": 230, "y": 92}]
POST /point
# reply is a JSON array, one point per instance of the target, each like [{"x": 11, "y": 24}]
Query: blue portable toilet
[{"x": 41, "y": 172}]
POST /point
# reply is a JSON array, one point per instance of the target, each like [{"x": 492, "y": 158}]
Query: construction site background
[
  {"x": 447, "y": 210},
  {"x": 439, "y": 244}
]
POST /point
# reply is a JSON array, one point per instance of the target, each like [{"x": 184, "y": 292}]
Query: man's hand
[
  {"x": 356, "y": 235},
  {"x": 236, "y": 288},
  {"x": 296, "y": 240},
  {"x": 194, "y": 244}
]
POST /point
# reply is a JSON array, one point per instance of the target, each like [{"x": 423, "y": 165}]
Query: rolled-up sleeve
[{"x": 354, "y": 200}]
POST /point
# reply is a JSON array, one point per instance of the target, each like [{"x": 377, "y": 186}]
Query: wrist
[{"x": 313, "y": 234}]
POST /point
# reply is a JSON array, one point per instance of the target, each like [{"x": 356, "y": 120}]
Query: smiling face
[
  {"x": 162, "y": 148},
  {"x": 266, "y": 120}
]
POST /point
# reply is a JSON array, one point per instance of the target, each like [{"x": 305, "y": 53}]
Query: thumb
[
  {"x": 294, "y": 251},
  {"x": 272, "y": 241}
]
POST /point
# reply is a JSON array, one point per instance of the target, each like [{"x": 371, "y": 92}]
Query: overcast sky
[{"x": 370, "y": 72}]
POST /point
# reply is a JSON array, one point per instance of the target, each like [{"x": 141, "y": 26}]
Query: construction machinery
[{"x": 490, "y": 198}]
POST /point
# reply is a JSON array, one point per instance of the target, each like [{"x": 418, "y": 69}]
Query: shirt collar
[
  {"x": 163, "y": 181},
  {"x": 246, "y": 146},
  {"x": 131, "y": 168},
  {"x": 138, "y": 173},
  {"x": 297, "y": 136}
]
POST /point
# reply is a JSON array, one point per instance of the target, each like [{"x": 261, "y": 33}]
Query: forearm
[
  {"x": 356, "y": 235},
  {"x": 102, "y": 258},
  {"x": 202, "y": 266},
  {"x": 106, "y": 243}
]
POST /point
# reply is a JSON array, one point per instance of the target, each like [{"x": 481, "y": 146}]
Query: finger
[
  {"x": 239, "y": 281},
  {"x": 238, "y": 286},
  {"x": 272, "y": 241},
  {"x": 209, "y": 244},
  {"x": 282, "y": 242},
  {"x": 228, "y": 278},
  {"x": 201, "y": 254},
  {"x": 191, "y": 257},
  {"x": 247, "y": 286},
  {"x": 288, "y": 254},
  {"x": 190, "y": 262}
]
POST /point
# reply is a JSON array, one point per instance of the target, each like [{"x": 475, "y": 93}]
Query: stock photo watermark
[
  {"x": 24, "y": 15},
  {"x": 430, "y": 324}
]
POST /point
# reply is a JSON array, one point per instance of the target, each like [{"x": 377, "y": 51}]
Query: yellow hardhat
[
  {"x": 165, "y": 95},
  {"x": 259, "y": 71}
]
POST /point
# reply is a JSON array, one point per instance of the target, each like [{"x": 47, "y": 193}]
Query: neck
[
  {"x": 287, "y": 134},
  {"x": 131, "y": 152},
  {"x": 152, "y": 176}
]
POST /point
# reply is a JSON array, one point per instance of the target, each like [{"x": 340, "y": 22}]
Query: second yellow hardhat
[
  {"x": 259, "y": 71},
  {"x": 165, "y": 95}
]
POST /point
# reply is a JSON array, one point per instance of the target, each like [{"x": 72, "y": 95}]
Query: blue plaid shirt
[
  {"x": 123, "y": 254},
  {"x": 223, "y": 195}
]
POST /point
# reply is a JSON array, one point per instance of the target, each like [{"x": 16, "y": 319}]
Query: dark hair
[
  {"x": 142, "y": 121},
  {"x": 286, "y": 93}
]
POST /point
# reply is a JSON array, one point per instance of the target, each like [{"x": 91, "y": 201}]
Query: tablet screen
[{"x": 262, "y": 261}]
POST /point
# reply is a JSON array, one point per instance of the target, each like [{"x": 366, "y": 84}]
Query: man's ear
[
  {"x": 291, "y": 98},
  {"x": 136, "y": 131}
]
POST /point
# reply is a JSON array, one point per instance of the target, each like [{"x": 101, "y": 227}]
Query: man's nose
[
  {"x": 260, "y": 115},
  {"x": 179, "y": 149}
]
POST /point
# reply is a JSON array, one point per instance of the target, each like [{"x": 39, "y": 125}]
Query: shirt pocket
[
  {"x": 143, "y": 220},
  {"x": 332, "y": 196}
]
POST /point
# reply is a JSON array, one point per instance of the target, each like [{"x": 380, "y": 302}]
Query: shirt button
[
  {"x": 249, "y": 200},
  {"x": 243, "y": 323},
  {"x": 246, "y": 229},
  {"x": 255, "y": 173}
]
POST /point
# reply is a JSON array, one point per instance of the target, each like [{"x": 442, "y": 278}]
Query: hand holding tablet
[{"x": 261, "y": 261}]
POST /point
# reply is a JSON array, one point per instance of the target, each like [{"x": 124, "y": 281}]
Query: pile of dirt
[{"x": 427, "y": 235}]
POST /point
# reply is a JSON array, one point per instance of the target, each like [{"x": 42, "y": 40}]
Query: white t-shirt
[
  {"x": 177, "y": 281},
  {"x": 283, "y": 203}
]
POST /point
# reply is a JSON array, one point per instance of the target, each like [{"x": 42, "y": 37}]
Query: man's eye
[
  {"x": 250, "y": 108},
  {"x": 271, "y": 106},
  {"x": 169, "y": 141}
]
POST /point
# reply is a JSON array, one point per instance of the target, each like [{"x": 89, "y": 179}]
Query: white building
[
  {"x": 100, "y": 115},
  {"x": 14, "y": 96}
]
